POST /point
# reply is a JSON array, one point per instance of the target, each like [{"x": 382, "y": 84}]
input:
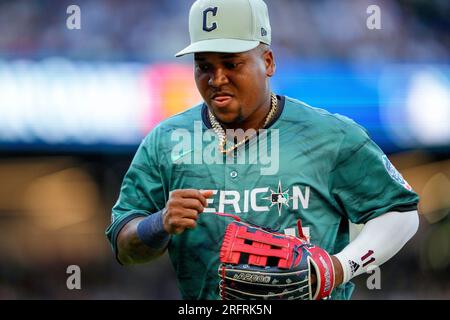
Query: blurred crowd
[{"x": 148, "y": 30}]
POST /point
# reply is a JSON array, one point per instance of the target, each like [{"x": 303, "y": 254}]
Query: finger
[
  {"x": 207, "y": 193},
  {"x": 188, "y": 223},
  {"x": 196, "y": 194},
  {"x": 189, "y": 214},
  {"x": 189, "y": 193},
  {"x": 184, "y": 224},
  {"x": 177, "y": 196},
  {"x": 192, "y": 203},
  {"x": 178, "y": 230}
]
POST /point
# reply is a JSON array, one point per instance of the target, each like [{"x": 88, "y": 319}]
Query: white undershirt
[{"x": 379, "y": 240}]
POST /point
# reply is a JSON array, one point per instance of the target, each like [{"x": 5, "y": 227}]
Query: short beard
[{"x": 235, "y": 123}]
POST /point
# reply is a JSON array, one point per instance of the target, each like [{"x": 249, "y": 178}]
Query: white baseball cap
[{"x": 228, "y": 26}]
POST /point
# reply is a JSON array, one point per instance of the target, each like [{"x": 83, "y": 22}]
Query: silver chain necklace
[{"x": 220, "y": 132}]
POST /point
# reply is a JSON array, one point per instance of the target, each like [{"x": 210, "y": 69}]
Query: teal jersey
[{"x": 311, "y": 165}]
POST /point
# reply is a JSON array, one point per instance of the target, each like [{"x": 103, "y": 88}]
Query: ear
[{"x": 269, "y": 62}]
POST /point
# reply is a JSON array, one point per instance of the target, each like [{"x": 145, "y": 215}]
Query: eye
[
  {"x": 203, "y": 67},
  {"x": 231, "y": 65}
]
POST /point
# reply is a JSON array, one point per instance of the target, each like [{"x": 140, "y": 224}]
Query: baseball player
[{"x": 321, "y": 170}]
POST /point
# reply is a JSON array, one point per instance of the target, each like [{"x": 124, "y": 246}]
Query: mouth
[{"x": 221, "y": 100}]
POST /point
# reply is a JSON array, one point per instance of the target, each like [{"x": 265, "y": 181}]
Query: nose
[{"x": 218, "y": 78}]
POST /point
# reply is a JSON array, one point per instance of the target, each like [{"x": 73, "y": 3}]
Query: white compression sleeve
[{"x": 380, "y": 239}]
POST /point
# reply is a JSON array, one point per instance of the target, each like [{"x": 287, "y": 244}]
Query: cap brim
[{"x": 219, "y": 45}]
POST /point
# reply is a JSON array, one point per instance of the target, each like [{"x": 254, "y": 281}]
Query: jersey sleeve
[
  {"x": 364, "y": 183},
  {"x": 142, "y": 191}
]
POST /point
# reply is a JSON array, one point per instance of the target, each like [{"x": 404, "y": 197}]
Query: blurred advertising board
[{"x": 58, "y": 102}]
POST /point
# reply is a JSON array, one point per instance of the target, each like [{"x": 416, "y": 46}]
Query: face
[{"x": 235, "y": 86}]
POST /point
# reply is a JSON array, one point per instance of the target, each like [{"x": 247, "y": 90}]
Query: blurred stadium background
[{"x": 74, "y": 105}]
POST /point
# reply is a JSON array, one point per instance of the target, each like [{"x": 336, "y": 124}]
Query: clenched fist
[{"x": 182, "y": 209}]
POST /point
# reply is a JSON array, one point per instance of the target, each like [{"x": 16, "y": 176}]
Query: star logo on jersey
[{"x": 279, "y": 198}]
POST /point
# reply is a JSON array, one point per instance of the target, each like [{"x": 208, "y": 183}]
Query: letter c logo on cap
[{"x": 205, "y": 19}]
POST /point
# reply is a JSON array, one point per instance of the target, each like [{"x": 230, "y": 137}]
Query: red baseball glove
[{"x": 261, "y": 264}]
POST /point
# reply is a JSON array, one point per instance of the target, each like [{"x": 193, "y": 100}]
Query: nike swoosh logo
[{"x": 177, "y": 158}]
